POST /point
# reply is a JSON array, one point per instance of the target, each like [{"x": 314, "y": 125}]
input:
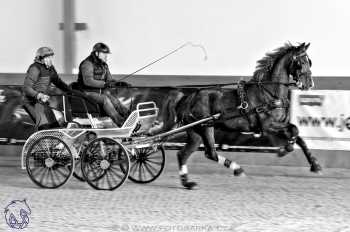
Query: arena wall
[{"x": 339, "y": 159}]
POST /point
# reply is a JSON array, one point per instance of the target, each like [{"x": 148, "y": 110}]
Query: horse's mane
[{"x": 265, "y": 65}]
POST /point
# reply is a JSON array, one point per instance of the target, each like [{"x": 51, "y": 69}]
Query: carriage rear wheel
[
  {"x": 147, "y": 164},
  {"x": 105, "y": 164},
  {"x": 49, "y": 162}
]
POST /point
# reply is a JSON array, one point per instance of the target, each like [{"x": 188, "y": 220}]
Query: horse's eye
[{"x": 310, "y": 62}]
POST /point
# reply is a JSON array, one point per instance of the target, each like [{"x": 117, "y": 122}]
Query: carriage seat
[{"x": 83, "y": 111}]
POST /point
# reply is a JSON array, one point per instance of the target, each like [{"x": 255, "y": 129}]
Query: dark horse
[{"x": 260, "y": 105}]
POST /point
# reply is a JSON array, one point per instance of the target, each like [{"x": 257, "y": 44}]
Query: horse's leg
[
  {"x": 208, "y": 138},
  {"x": 293, "y": 137},
  {"x": 314, "y": 165},
  {"x": 287, "y": 134},
  {"x": 193, "y": 141}
]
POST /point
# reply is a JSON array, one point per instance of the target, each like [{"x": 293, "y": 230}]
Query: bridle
[
  {"x": 271, "y": 97},
  {"x": 299, "y": 67}
]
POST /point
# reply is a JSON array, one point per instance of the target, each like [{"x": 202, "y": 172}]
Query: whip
[{"x": 168, "y": 54}]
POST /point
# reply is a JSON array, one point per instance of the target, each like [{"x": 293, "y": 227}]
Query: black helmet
[
  {"x": 101, "y": 47},
  {"x": 44, "y": 52}
]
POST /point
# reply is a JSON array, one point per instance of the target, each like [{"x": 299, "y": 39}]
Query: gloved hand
[
  {"x": 122, "y": 84},
  {"x": 109, "y": 84},
  {"x": 114, "y": 83},
  {"x": 42, "y": 97}
]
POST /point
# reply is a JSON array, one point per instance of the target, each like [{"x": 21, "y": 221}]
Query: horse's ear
[
  {"x": 307, "y": 46},
  {"x": 299, "y": 48}
]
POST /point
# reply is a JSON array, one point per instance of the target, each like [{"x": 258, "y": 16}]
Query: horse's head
[
  {"x": 284, "y": 62},
  {"x": 299, "y": 67}
]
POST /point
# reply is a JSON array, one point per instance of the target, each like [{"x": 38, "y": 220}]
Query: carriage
[{"x": 91, "y": 149}]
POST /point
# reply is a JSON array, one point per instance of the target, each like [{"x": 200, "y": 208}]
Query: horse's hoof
[
  {"x": 239, "y": 172},
  {"x": 316, "y": 168},
  {"x": 289, "y": 147},
  {"x": 187, "y": 184},
  {"x": 320, "y": 173},
  {"x": 190, "y": 185},
  {"x": 282, "y": 152}
]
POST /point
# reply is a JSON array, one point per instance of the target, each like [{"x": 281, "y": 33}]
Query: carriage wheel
[
  {"x": 49, "y": 162},
  {"x": 105, "y": 164},
  {"x": 147, "y": 164}
]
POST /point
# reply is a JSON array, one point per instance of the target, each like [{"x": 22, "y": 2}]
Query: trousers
[{"x": 111, "y": 105}]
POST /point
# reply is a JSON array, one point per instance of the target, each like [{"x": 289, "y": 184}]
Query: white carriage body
[{"x": 144, "y": 115}]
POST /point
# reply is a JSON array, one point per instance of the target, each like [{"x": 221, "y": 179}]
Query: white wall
[
  {"x": 25, "y": 26},
  {"x": 235, "y": 33}
]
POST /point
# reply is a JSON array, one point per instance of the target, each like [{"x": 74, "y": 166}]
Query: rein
[{"x": 205, "y": 86}]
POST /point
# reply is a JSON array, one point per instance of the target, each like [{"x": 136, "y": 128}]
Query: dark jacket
[
  {"x": 93, "y": 74},
  {"x": 38, "y": 80}
]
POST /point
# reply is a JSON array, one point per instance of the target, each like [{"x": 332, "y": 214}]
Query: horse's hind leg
[
  {"x": 314, "y": 165},
  {"x": 193, "y": 141},
  {"x": 208, "y": 138}
]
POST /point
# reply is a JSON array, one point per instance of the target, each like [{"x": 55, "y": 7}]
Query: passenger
[
  {"x": 94, "y": 79},
  {"x": 37, "y": 81}
]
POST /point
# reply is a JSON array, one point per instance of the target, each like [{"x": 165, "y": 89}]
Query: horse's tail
[{"x": 168, "y": 115}]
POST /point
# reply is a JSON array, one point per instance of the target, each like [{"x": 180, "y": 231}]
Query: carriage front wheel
[
  {"x": 146, "y": 164},
  {"x": 105, "y": 164},
  {"x": 49, "y": 162}
]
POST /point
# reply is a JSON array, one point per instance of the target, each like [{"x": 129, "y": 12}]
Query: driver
[{"x": 94, "y": 79}]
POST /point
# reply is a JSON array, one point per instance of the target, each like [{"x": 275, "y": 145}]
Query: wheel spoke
[
  {"x": 36, "y": 170},
  {"x": 148, "y": 168},
  {"x": 114, "y": 171},
  {"x": 56, "y": 175},
  {"x": 140, "y": 171},
  {"x": 158, "y": 163},
  {"x": 47, "y": 148},
  {"x": 114, "y": 177},
  {"x": 51, "y": 176},
  {"x": 94, "y": 148},
  {"x": 133, "y": 168},
  {"x": 93, "y": 171},
  {"x": 108, "y": 179},
  {"x": 42, "y": 176},
  {"x": 59, "y": 171}
]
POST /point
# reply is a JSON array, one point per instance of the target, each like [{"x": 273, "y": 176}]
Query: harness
[
  {"x": 242, "y": 95},
  {"x": 244, "y": 109}
]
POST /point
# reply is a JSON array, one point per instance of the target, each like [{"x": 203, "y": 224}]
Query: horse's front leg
[
  {"x": 193, "y": 142},
  {"x": 314, "y": 165},
  {"x": 293, "y": 137},
  {"x": 208, "y": 138}
]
